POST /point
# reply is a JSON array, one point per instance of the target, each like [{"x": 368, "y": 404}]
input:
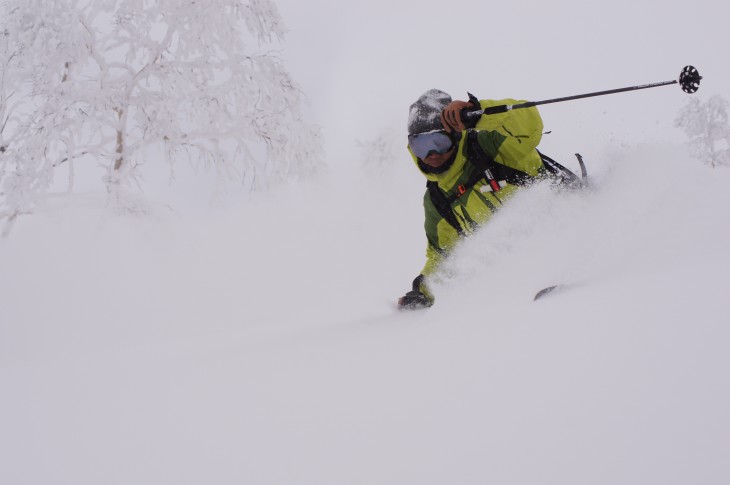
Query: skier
[{"x": 471, "y": 166}]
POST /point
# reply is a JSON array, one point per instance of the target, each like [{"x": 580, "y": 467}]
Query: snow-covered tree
[
  {"x": 101, "y": 80},
  {"x": 380, "y": 152},
  {"x": 706, "y": 124}
]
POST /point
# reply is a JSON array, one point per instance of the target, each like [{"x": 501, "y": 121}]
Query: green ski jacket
[{"x": 509, "y": 141}]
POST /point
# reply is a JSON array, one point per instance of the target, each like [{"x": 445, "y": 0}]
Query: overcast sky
[{"x": 363, "y": 63}]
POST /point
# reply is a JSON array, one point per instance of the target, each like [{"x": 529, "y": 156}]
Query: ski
[{"x": 545, "y": 291}]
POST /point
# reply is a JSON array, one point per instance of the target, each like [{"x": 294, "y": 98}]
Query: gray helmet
[{"x": 425, "y": 113}]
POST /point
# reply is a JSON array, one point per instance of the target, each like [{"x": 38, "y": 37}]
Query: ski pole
[{"x": 689, "y": 80}]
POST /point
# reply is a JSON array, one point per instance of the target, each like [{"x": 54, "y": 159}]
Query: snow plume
[
  {"x": 706, "y": 125},
  {"x": 625, "y": 223},
  {"x": 262, "y": 346},
  {"x": 102, "y": 83}
]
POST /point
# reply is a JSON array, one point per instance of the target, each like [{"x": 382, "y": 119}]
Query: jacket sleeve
[
  {"x": 440, "y": 235},
  {"x": 511, "y": 138}
]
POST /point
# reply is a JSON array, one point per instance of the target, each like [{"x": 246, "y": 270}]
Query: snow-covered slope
[{"x": 261, "y": 346}]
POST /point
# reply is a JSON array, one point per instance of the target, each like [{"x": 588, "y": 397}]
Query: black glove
[
  {"x": 468, "y": 115},
  {"x": 413, "y": 300},
  {"x": 460, "y": 115}
]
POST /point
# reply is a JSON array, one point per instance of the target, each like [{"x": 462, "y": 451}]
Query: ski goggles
[{"x": 424, "y": 144}]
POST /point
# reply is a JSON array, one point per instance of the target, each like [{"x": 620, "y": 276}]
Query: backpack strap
[
  {"x": 443, "y": 205},
  {"x": 494, "y": 171},
  {"x": 483, "y": 166}
]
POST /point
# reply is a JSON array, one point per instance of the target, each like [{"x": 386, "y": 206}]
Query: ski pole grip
[
  {"x": 470, "y": 116},
  {"x": 503, "y": 108}
]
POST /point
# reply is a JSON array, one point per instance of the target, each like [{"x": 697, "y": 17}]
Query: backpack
[{"x": 485, "y": 168}]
